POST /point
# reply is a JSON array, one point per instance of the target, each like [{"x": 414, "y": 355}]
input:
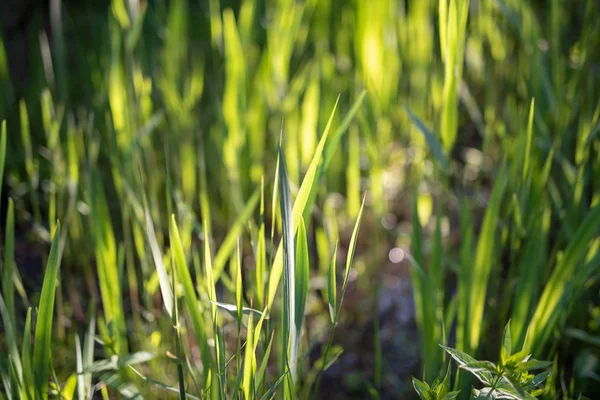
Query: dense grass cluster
[{"x": 205, "y": 182}]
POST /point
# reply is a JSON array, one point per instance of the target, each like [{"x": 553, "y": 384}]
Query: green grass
[{"x": 211, "y": 164}]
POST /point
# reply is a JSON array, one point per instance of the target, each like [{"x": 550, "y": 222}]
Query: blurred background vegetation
[{"x": 477, "y": 145}]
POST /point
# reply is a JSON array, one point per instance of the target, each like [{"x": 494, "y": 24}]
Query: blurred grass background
[{"x": 477, "y": 143}]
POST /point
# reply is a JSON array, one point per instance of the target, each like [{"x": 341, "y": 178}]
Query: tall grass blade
[
  {"x": 8, "y": 290},
  {"x": 28, "y": 374},
  {"x": 332, "y": 285},
  {"x": 289, "y": 337},
  {"x": 191, "y": 300},
  {"x": 302, "y": 269},
  {"x": 14, "y": 360},
  {"x": 483, "y": 263},
  {"x": 43, "y": 329},
  {"x": 2, "y": 152}
]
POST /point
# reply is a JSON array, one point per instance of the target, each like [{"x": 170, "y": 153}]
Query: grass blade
[
  {"x": 9, "y": 256},
  {"x": 43, "y": 330},
  {"x": 28, "y": 378},
  {"x": 191, "y": 300},
  {"x": 2, "y": 152},
  {"x": 332, "y": 285},
  {"x": 301, "y": 278},
  {"x": 290, "y": 338}
]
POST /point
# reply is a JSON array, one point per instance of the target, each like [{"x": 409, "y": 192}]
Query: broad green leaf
[
  {"x": 481, "y": 366},
  {"x": 464, "y": 359}
]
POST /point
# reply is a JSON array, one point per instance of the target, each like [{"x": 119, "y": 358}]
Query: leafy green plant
[{"x": 510, "y": 378}]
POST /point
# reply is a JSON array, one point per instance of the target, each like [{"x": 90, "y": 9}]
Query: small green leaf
[
  {"x": 464, "y": 359},
  {"x": 532, "y": 364},
  {"x": 451, "y": 395},
  {"x": 422, "y": 389},
  {"x": 506, "y": 350}
]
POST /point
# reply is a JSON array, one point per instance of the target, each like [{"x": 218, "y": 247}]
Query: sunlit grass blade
[
  {"x": 333, "y": 144},
  {"x": 105, "y": 248},
  {"x": 261, "y": 251},
  {"x": 289, "y": 337},
  {"x": 191, "y": 300},
  {"x": 217, "y": 386},
  {"x": 262, "y": 370},
  {"x": 302, "y": 269},
  {"x": 302, "y": 204},
  {"x": 549, "y": 303},
  {"x": 226, "y": 248},
  {"x": 43, "y": 329},
  {"x": 163, "y": 276},
  {"x": 483, "y": 263},
  {"x": 349, "y": 259},
  {"x": 526, "y": 161},
  {"x": 249, "y": 361},
  {"x": 350, "y": 254}
]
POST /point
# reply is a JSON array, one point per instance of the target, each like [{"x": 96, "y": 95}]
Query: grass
[{"x": 211, "y": 164}]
